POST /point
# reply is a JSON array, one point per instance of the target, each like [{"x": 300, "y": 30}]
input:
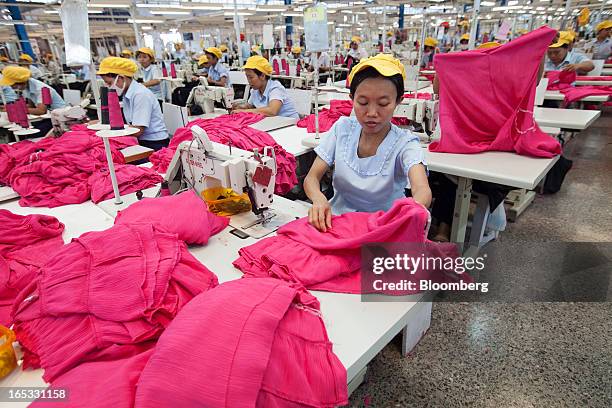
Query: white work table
[
  {"x": 290, "y": 138},
  {"x": 607, "y": 70},
  {"x": 574, "y": 119},
  {"x": 583, "y": 82},
  {"x": 558, "y": 96}
]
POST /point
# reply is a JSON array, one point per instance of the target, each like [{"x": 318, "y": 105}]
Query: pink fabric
[
  {"x": 419, "y": 95},
  {"x": 100, "y": 384},
  {"x": 269, "y": 349},
  {"x": 430, "y": 77},
  {"x": 576, "y": 93},
  {"x": 55, "y": 171},
  {"x": 26, "y": 243},
  {"x": 593, "y": 78},
  {"x": 184, "y": 214},
  {"x": 478, "y": 112},
  {"x": 328, "y": 117},
  {"x": 104, "y": 296},
  {"x": 233, "y": 129},
  {"x": 129, "y": 178},
  {"x": 560, "y": 79},
  {"x": 331, "y": 261},
  {"x": 275, "y": 67}
]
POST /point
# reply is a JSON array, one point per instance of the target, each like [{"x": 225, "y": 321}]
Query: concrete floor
[{"x": 518, "y": 354}]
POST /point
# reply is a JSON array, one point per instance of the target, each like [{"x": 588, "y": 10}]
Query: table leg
[{"x": 460, "y": 213}]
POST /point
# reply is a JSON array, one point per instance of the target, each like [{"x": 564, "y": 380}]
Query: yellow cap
[
  {"x": 563, "y": 40},
  {"x": 296, "y": 49},
  {"x": 603, "y": 25},
  {"x": 465, "y": 37},
  {"x": 26, "y": 57},
  {"x": 390, "y": 32},
  {"x": 14, "y": 74},
  {"x": 259, "y": 63},
  {"x": 583, "y": 16},
  {"x": 223, "y": 48},
  {"x": 118, "y": 65},
  {"x": 126, "y": 52},
  {"x": 463, "y": 23},
  {"x": 356, "y": 39},
  {"x": 566, "y": 36},
  {"x": 146, "y": 51},
  {"x": 385, "y": 64},
  {"x": 430, "y": 42},
  {"x": 490, "y": 44},
  {"x": 202, "y": 60},
  {"x": 214, "y": 51}
]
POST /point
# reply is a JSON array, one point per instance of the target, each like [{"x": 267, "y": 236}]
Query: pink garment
[
  {"x": 100, "y": 384},
  {"x": 576, "y": 93},
  {"x": 593, "y": 78},
  {"x": 419, "y": 95},
  {"x": 26, "y": 243},
  {"x": 55, "y": 171},
  {"x": 328, "y": 117},
  {"x": 560, "y": 79},
  {"x": 234, "y": 130},
  {"x": 430, "y": 77},
  {"x": 129, "y": 178},
  {"x": 104, "y": 296},
  {"x": 270, "y": 349},
  {"x": 331, "y": 261},
  {"x": 184, "y": 214},
  {"x": 479, "y": 112}
]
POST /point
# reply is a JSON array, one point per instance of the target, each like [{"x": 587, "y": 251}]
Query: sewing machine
[
  {"x": 420, "y": 111},
  {"x": 205, "y": 96},
  {"x": 201, "y": 164},
  {"x": 63, "y": 118}
]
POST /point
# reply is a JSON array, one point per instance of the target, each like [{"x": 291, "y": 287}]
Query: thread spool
[
  {"x": 114, "y": 111},
  {"x": 298, "y": 69},
  {"x": 164, "y": 70},
  {"x": 23, "y": 113},
  {"x": 275, "y": 67},
  {"x": 46, "y": 96},
  {"x": 104, "y": 105},
  {"x": 172, "y": 70}
]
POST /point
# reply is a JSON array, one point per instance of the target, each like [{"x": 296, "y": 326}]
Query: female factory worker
[
  {"x": 26, "y": 61},
  {"x": 464, "y": 42},
  {"x": 140, "y": 105},
  {"x": 374, "y": 161},
  {"x": 268, "y": 96},
  {"x": 356, "y": 52},
  {"x": 296, "y": 52},
  {"x": 429, "y": 50},
  {"x": 149, "y": 72},
  {"x": 602, "y": 45},
  {"x": 203, "y": 65},
  {"x": 218, "y": 74},
  {"x": 561, "y": 59},
  {"x": 20, "y": 79}
]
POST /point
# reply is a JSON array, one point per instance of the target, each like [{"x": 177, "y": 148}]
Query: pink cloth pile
[
  {"x": 576, "y": 93},
  {"x": 105, "y": 296},
  {"x": 183, "y": 214},
  {"x": 331, "y": 261},
  {"x": 558, "y": 80},
  {"x": 479, "y": 113},
  {"x": 68, "y": 170},
  {"x": 562, "y": 81},
  {"x": 234, "y": 130},
  {"x": 26, "y": 243},
  {"x": 129, "y": 178},
  {"x": 247, "y": 343},
  {"x": 337, "y": 109},
  {"x": 419, "y": 95}
]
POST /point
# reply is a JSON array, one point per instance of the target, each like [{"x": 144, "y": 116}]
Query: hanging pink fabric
[
  {"x": 129, "y": 178},
  {"x": 115, "y": 117},
  {"x": 184, "y": 214},
  {"x": 576, "y": 93},
  {"x": 10, "y": 112},
  {"x": 560, "y": 79},
  {"x": 26, "y": 244},
  {"x": 164, "y": 70},
  {"x": 269, "y": 329},
  {"x": 479, "y": 112},
  {"x": 275, "y": 67},
  {"x": 46, "y": 95},
  {"x": 331, "y": 261},
  {"x": 104, "y": 296},
  {"x": 55, "y": 171},
  {"x": 172, "y": 70},
  {"x": 233, "y": 129}
]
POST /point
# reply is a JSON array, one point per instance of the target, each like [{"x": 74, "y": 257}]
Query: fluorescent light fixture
[
  {"x": 487, "y": 3},
  {"x": 108, "y": 5},
  {"x": 240, "y": 13},
  {"x": 293, "y": 14},
  {"x": 346, "y": 11},
  {"x": 51, "y": 11},
  {"x": 527, "y": 8},
  {"x": 513, "y": 2},
  {"x": 95, "y": 11},
  {"x": 170, "y": 12},
  {"x": 209, "y": 7},
  {"x": 144, "y": 21},
  {"x": 146, "y": 28},
  {"x": 157, "y": 5},
  {"x": 17, "y": 22},
  {"x": 271, "y": 8},
  {"x": 540, "y": 8}
]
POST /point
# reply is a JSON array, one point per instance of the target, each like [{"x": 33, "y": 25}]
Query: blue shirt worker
[
  {"x": 140, "y": 105},
  {"x": 20, "y": 79},
  {"x": 268, "y": 96},
  {"x": 373, "y": 160},
  {"x": 218, "y": 74},
  {"x": 149, "y": 72},
  {"x": 602, "y": 45},
  {"x": 560, "y": 58}
]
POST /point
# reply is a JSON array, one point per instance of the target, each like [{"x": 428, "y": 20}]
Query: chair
[
  {"x": 302, "y": 100},
  {"x": 174, "y": 117}
]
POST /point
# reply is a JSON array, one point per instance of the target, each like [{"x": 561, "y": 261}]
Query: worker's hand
[
  {"x": 570, "y": 67},
  {"x": 319, "y": 215}
]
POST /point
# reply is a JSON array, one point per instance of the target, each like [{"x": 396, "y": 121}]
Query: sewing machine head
[
  {"x": 63, "y": 118},
  {"x": 205, "y": 96}
]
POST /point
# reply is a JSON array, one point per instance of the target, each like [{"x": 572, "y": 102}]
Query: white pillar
[
  {"x": 237, "y": 29},
  {"x": 134, "y": 25},
  {"x": 474, "y": 27}
]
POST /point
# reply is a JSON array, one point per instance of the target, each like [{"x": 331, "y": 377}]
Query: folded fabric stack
[
  {"x": 26, "y": 243},
  {"x": 234, "y": 130},
  {"x": 563, "y": 82}
]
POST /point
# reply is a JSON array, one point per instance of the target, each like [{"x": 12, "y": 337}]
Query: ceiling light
[
  {"x": 51, "y": 11},
  {"x": 144, "y": 21},
  {"x": 146, "y": 28},
  {"x": 170, "y": 12},
  {"x": 293, "y": 14},
  {"x": 487, "y": 3},
  {"x": 513, "y": 2},
  {"x": 240, "y": 13},
  {"x": 108, "y": 5}
]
